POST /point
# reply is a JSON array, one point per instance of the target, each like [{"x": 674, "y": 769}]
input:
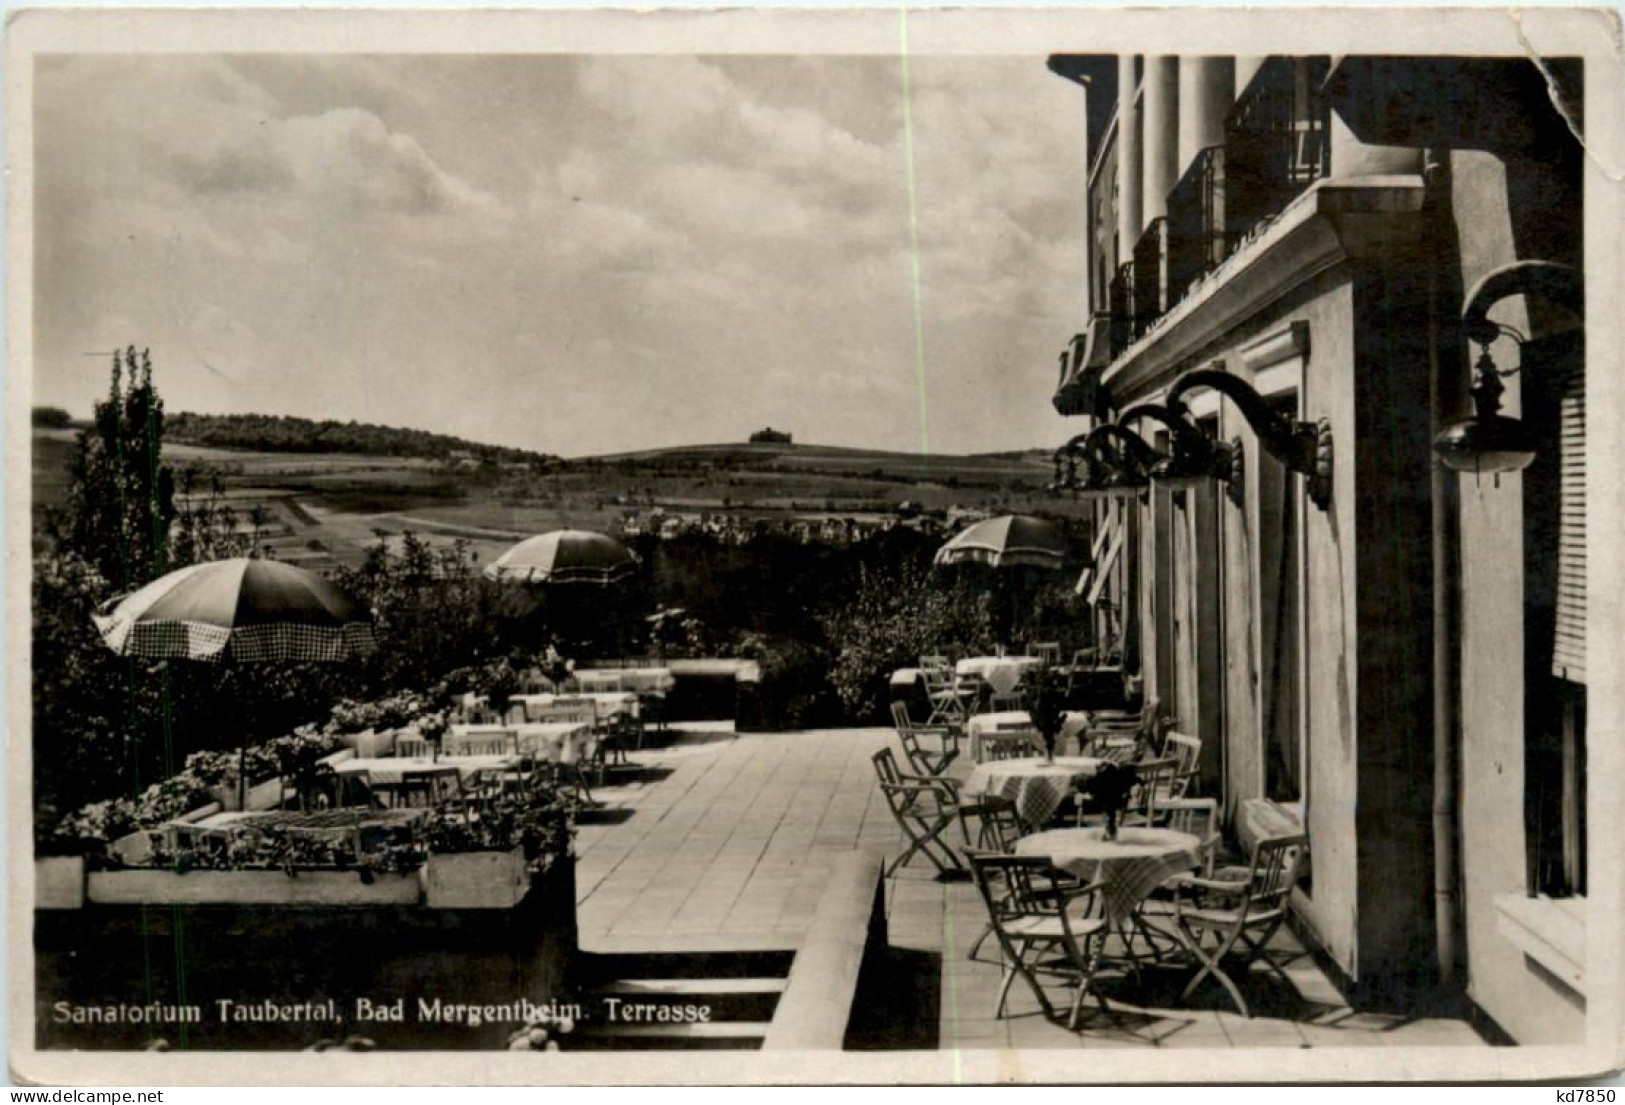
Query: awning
[{"x": 1080, "y": 390}]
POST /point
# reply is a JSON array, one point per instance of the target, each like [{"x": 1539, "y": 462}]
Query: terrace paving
[{"x": 726, "y": 846}]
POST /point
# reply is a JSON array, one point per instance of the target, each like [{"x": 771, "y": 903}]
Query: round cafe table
[
  {"x": 1004, "y": 721},
  {"x": 1035, "y": 786},
  {"x": 1127, "y": 869},
  {"x": 1002, "y": 673}
]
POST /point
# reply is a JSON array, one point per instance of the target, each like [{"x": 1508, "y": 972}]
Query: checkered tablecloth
[
  {"x": 1127, "y": 869},
  {"x": 1036, "y": 787},
  {"x": 1017, "y": 720},
  {"x": 1002, "y": 673}
]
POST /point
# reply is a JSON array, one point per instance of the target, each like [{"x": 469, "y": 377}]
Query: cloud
[{"x": 578, "y": 254}]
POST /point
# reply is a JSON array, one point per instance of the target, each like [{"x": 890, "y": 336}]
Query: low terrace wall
[{"x": 261, "y": 960}]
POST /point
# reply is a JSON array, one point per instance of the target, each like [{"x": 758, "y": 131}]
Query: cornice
[{"x": 1332, "y": 222}]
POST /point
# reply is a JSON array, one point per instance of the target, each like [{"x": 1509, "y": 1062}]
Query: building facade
[{"x": 1383, "y": 647}]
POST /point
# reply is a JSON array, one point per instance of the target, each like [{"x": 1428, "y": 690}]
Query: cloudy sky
[{"x": 572, "y": 254}]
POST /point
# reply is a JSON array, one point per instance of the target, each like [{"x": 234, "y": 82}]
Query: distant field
[{"x": 327, "y": 508}]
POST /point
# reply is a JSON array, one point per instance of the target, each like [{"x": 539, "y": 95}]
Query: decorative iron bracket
[{"x": 1304, "y": 447}]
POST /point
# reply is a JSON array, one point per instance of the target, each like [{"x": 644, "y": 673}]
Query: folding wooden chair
[
  {"x": 484, "y": 740},
  {"x": 1198, "y": 817},
  {"x": 923, "y": 760},
  {"x": 1035, "y": 914},
  {"x": 1187, "y": 753},
  {"x": 1047, "y": 651},
  {"x": 998, "y": 831},
  {"x": 1237, "y": 911},
  {"x": 951, "y": 699},
  {"x": 923, "y": 806},
  {"x": 411, "y": 747}
]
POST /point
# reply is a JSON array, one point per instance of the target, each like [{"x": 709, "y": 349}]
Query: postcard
[{"x": 841, "y": 546}]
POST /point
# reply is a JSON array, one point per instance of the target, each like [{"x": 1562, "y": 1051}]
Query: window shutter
[
  {"x": 1106, "y": 565},
  {"x": 1569, "y": 649},
  {"x": 1095, "y": 553}
]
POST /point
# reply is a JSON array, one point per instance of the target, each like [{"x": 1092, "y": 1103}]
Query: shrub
[
  {"x": 794, "y": 691},
  {"x": 897, "y": 613}
]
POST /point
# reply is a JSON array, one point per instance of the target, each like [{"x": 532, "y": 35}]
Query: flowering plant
[
  {"x": 1045, "y": 690},
  {"x": 390, "y": 712},
  {"x": 1108, "y": 792},
  {"x": 540, "y": 825},
  {"x": 555, "y": 668}
]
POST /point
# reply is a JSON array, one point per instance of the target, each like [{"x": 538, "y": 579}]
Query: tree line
[{"x": 291, "y": 434}]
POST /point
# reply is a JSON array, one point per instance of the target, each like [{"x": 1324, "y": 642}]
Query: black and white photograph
[{"x": 814, "y": 546}]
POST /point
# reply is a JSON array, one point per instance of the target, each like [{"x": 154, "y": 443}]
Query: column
[
  {"x": 1247, "y": 68},
  {"x": 1206, "y": 91},
  {"x": 1160, "y": 138},
  {"x": 1128, "y": 159}
]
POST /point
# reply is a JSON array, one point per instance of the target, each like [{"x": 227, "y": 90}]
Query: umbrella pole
[{"x": 242, "y": 776}]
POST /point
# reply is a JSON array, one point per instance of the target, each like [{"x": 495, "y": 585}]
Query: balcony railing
[
  {"x": 1122, "y": 309},
  {"x": 1150, "y": 276},
  {"x": 1276, "y": 140},
  {"x": 1198, "y": 235},
  {"x": 1276, "y": 145}
]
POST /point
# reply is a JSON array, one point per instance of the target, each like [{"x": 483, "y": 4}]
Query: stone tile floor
[{"x": 725, "y": 846}]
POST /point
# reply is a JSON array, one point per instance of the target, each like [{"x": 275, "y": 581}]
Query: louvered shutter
[{"x": 1569, "y": 649}]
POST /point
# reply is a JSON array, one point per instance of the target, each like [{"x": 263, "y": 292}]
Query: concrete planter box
[
  {"x": 59, "y": 882},
  {"x": 476, "y": 880},
  {"x": 358, "y": 944},
  {"x": 336, "y": 888}
]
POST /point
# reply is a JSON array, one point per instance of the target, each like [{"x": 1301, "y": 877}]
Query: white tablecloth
[
  {"x": 390, "y": 770},
  {"x": 1036, "y": 787},
  {"x": 1128, "y": 868},
  {"x": 609, "y": 703},
  {"x": 636, "y": 680},
  {"x": 1002, "y": 673}
]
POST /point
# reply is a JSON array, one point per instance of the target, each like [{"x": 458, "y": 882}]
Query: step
[
  {"x": 741, "y": 999},
  {"x": 683, "y": 964},
  {"x": 683, "y": 986},
  {"x": 700, "y": 1030}
]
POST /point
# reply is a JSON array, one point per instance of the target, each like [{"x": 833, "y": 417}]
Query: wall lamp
[
  {"x": 1194, "y": 457},
  {"x": 1303, "y": 447},
  {"x": 1488, "y": 441},
  {"x": 1067, "y": 459},
  {"x": 1091, "y": 464},
  {"x": 1121, "y": 460}
]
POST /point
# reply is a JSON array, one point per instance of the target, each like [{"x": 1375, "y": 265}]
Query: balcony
[
  {"x": 1276, "y": 145},
  {"x": 1276, "y": 140},
  {"x": 1198, "y": 235}
]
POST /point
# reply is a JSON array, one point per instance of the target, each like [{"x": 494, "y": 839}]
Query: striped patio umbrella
[
  {"x": 566, "y": 556},
  {"x": 1009, "y": 541},
  {"x": 247, "y": 611}
]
